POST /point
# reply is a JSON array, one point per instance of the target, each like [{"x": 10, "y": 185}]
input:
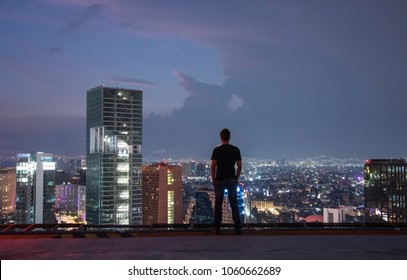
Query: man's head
[{"x": 225, "y": 135}]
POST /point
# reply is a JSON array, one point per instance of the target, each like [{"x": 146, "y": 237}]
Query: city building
[
  {"x": 201, "y": 208},
  {"x": 62, "y": 177},
  {"x": 310, "y": 219},
  {"x": 262, "y": 205},
  {"x": 113, "y": 156},
  {"x": 193, "y": 168},
  {"x": 340, "y": 214},
  {"x": 202, "y": 170},
  {"x": 186, "y": 170},
  {"x": 70, "y": 203},
  {"x": 35, "y": 189},
  {"x": 385, "y": 190},
  {"x": 204, "y": 205},
  {"x": 7, "y": 193},
  {"x": 162, "y": 194}
]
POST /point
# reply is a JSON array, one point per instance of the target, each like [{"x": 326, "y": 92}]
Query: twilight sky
[{"x": 289, "y": 78}]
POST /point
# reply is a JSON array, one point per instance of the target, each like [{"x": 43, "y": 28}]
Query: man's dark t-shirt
[{"x": 226, "y": 156}]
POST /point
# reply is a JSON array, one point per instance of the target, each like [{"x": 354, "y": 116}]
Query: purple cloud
[
  {"x": 87, "y": 14},
  {"x": 134, "y": 81},
  {"x": 53, "y": 50},
  {"x": 300, "y": 78},
  {"x": 204, "y": 96},
  {"x": 44, "y": 133}
]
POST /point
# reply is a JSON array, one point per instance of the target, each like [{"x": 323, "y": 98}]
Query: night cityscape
[{"x": 297, "y": 190}]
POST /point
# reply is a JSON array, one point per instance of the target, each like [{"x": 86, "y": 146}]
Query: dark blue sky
[{"x": 289, "y": 78}]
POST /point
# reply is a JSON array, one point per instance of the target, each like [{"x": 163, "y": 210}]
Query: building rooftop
[{"x": 203, "y": 244}]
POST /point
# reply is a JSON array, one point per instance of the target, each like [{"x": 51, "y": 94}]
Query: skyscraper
[
  {"x": 201, "y": 207},
  {"x": 35, "y": 189},
  {"x": 162, "y": 194},
  {"x": 386, "y": 190},
  {"x": 205, "y": 205},
  {"x": 7, "y": 193},
  {"x": 113, "y": 156}
]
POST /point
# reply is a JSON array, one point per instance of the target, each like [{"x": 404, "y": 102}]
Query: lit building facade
[
  {"x": 262, "y": 205},
  {"x": 162, "y": 194},
  {"x": 201, "y": 208},
  {"x": 340, "y": 214},
  {"x": 385, "y": 190},
  {"x": 70, "y": 203},
  {"x": 7, "y": 193},
  {"x": 35, "y": 189},
  {"x": 113, "y": 156}
]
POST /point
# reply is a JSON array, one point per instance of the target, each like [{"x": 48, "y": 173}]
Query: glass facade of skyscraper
[
  {"x": 204, "y": 210},
  {"x": 386, "y": 190},
  {"x": 35, "y": 189},
  {"x": 113, "y": 156}
]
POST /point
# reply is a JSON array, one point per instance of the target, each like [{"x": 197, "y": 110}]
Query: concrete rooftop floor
[{"x": 205, "y": 245}]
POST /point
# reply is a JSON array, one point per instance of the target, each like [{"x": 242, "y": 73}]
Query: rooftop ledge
[{"x": 81, "y": 230}]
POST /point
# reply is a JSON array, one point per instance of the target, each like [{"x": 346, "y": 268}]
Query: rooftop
[{"x": 389, "y": 243}]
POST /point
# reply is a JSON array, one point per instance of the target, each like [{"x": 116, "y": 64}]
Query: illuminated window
[
  {"x": 170, "y": 177},
  {"x": 170, "y": 207}
]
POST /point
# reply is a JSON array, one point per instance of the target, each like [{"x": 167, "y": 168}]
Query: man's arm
[
  {"x": 213, "y": 170},
  {"x": 239, "y": 169}
]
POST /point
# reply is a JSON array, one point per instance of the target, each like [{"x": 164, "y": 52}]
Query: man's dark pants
[{"x": 231, "y": 186}]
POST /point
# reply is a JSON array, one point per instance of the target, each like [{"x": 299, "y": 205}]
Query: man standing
[{"x": 225, "y": 176}]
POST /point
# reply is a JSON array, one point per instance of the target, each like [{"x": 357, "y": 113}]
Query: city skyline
[{"x": 289, "y": 79}]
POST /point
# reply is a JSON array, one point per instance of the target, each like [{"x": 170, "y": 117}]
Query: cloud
[
  {"x": 191, "y": 130},
  {"x": 53, "y": 50},
  {"x": 235, "y": 103},
  {"x": 19, "y": 43},
  {"x": 301, "y": 79},
  {"x": 135, "y": 81},
  {"x": 203, "y": 96},
  {"x": 54, "y": 134},
  {"x": 26, "y": 70},
  {"x": 86, "y": 15}
]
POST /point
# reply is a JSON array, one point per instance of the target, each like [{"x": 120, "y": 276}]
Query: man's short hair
[{"x": 225, "y": 134}]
